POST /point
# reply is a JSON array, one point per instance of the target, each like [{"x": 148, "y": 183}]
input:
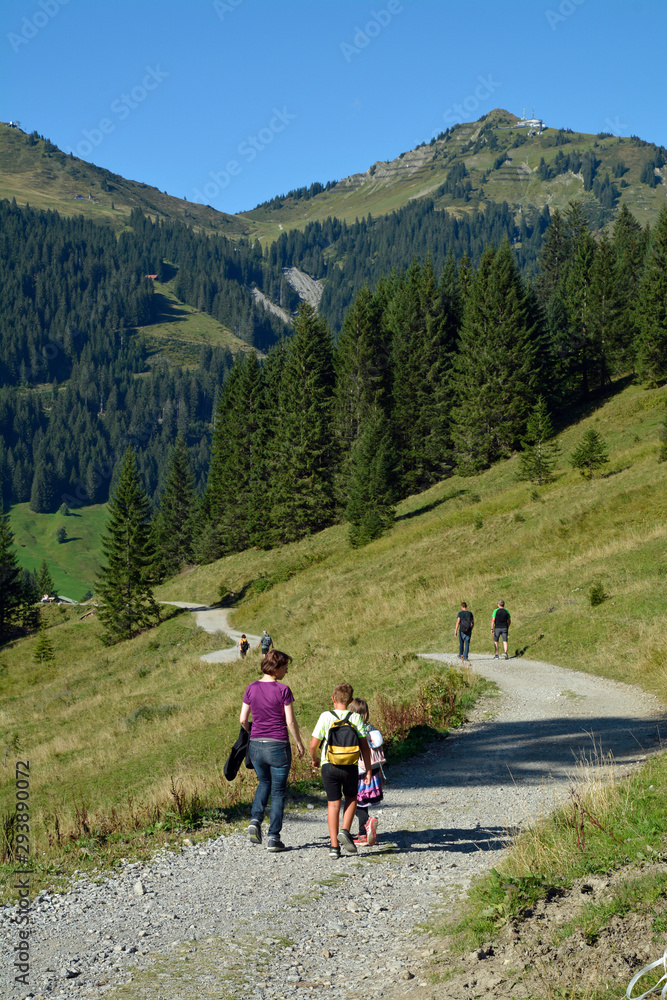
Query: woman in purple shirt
[{"x": 270, "y": 704}]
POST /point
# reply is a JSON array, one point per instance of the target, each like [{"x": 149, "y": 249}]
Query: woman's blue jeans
[{"x": 272, "y": 761}]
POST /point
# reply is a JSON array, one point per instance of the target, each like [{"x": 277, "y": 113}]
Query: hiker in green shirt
[{"x": 500, "y": 623}]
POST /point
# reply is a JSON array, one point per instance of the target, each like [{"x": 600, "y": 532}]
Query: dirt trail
[
  {"x": 224, "y": 918},
  {"x": 214, "y": 620}
]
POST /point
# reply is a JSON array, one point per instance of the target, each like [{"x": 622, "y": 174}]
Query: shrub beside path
[{"x": 224, "y": 919}]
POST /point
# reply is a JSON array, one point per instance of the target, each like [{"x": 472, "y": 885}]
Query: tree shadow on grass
[{"x": 455, "y": 494}]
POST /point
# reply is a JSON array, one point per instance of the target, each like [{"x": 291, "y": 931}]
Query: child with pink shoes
[{"x": 368, "y": 796}]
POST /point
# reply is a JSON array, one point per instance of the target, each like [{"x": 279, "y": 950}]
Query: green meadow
[{"x": 127, "y": 742}]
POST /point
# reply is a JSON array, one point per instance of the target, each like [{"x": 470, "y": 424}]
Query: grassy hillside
[
  {"x": 388, "y": 185},
  {"x": 36, "y": 172},
  {"x": 181, "y": 330},
  {"x": 129, "y": 737},
  {"x": 478, "y": 539},
  {"x": 74, "y": 563}
]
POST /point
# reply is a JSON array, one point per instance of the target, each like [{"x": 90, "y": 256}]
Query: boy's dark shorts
[
  {"x": 340, "y": 782},
  {"x": 500, "y": 633}
]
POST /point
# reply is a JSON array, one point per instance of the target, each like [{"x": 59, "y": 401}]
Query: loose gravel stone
[{"x": 228, "y": 918}]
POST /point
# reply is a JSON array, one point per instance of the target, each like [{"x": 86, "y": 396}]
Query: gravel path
[{"x": 228, "y": 920}]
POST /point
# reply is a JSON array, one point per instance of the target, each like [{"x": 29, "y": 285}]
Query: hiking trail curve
[{"x": 224, "y": 919}]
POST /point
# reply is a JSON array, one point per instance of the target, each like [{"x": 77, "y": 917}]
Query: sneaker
[
  {"x": 347, "y": 845},
  {"x": 496, "y": 657},
  {"x": 254, "y": 833},
  {"x": 507, "y": 656},
  {"x": 334, "y": 852},
  {"x": 275, "y": 845},
  {"x": 371, "y": 831},
  {"x": 361, "y": 839}
]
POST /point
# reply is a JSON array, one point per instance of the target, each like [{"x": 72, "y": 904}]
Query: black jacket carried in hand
[{"x": 238, "y": 753}]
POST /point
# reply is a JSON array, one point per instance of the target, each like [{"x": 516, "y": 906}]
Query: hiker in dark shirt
[
  {"x": 500, "y": 623},
  {"x": 464, "y": 626}
]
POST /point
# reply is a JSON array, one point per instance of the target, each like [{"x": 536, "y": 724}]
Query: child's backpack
[
  {"x": 342, "y": 743},
  {"x": 244, "y": 644}
]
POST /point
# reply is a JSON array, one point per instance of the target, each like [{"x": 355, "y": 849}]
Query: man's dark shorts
[
  {"x": 340, "y": 782},
  {"x": 500, "y": 633}
]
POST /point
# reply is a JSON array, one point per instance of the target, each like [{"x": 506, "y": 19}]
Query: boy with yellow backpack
[{"x": 340, "y": 734}]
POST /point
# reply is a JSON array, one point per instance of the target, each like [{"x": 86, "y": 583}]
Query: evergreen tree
[
  {"x": 362, "y": 368},
  {"x": 629, "y": 243},
  {"x": 651, "y": 313},
  {"x": 580, "y": 349},
  {"x": 301, "y": 489},
  {"x": 45, "y": 582},
  {"x": 10, "y": 587},
  {"x": 589, "y": 455},
  {"x": 495, "y": 368},
  {"x": 538, "y": 458},
  {"x": 554, "y": 257},
  {"x": 125, "y": 582},
  {"x": 370, "y": 507},
  {"x": 44, "y": 649},
  {"x": 173, "y": 525},
  {"x": 233, "y": 492}
]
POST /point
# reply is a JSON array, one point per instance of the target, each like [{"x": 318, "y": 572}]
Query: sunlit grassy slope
[
  {"x": 502, "y": 173},
  {"x": 540, "y": 554},
  {"x": 109, "y": 728},
  {"x": 181, "y": 330},
  {"x": 74, "y": 563},
  {"x": 44, "y": 177}
]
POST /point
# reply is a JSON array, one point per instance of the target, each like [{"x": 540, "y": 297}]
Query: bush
[{"x": 597, "y": 594}]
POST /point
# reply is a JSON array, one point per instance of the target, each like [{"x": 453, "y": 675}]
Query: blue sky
[{"x": 231, "y": 102}]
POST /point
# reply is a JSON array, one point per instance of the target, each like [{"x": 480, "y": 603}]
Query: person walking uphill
[
  {"x": 464, "y": 626},
  {"x": 500, "y": 623},
  {"x": 269, "y": 701},
  {"x": 266, "y": 642}
]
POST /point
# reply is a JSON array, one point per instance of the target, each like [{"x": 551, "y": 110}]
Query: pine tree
[
  {"x": 10, "y": 589},
  {"x": 554, "y": 257},
  {"x": 234, "y": 491},
  {"x": 361, "y": 362},
  {"x": 45, "y": 580},
  {"x": 580, "y": 348},
  {"x": 301, "y": 490},
  {"x": 370, "y": 507},
  {"x": 495, "y": 367},
  {"x": 173, "y": 525},
  {"x": 651, "y": 313},
  {"x": 629, "y": 251},
  {"x": 125, "y": 582},
  {"x": 589, "y": 455},
  {"x": 538, "y": 459},
  {"x": 44, "y": 648}
]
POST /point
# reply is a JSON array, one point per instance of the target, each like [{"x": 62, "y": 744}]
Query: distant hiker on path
[
  {"x": 244, "y": 646},
  {"x": 266, "y": 642},
  {"x": 464, "y": 626},
  {"x": 500, "y": 623}
]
